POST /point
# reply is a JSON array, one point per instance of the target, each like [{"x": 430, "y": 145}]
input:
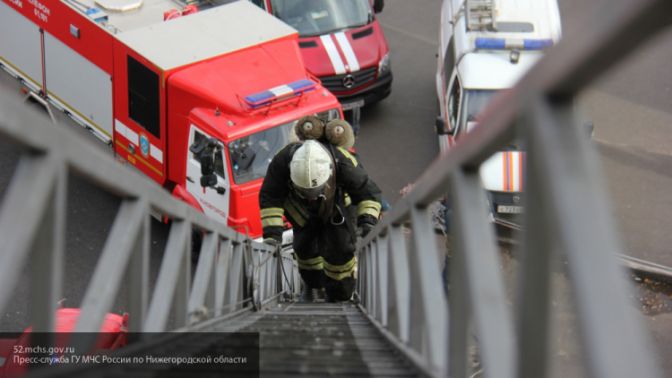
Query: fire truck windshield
[
  {"x": 251, "y": 155},
  {"x": 317, "y": 17}
]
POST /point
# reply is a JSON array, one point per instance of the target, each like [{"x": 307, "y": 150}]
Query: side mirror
[
  {"x": 208, "y": 180},
  {"x": 440, "y": 126},
  {"x": 207, "y": 164},
  {"x": 205, "y": 149},
  {"x": 378, "y": 5}
]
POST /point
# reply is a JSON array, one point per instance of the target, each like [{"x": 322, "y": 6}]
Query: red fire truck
[
  {"x": 200, "y": 102},
  {"x": 343, "y": 44}
]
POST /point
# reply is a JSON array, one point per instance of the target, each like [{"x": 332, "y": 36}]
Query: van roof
[
  {"x": 515, "y": 20},
  {"x": 542, "y": 15}
]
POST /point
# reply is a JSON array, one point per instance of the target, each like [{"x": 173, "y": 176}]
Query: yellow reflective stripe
[
  {"x": 272, "y": 216},
  {"x": 338, "y": 276},
  {"x": 369, "y": 203},
  {"x": 369, "y": 211},
  {"x": 272, "y": 212},
  {"x": 348, "y": 200},
  {"x": 347, "y": 267},
  {"x": 296, "y": 216},
  {"x": 311, "y": 264},
  {"x": 348, "y": 155},
  {"x": 312, "y": 261},
  {"x": 369, "y": 207},
  {"x": 274, "y": 221}
]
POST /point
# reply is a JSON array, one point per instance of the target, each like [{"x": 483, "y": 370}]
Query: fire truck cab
[
  {"x": 198, "y": 100},
  {"x": 343, "y": 44},
  {"x": 485, "y": 46}
]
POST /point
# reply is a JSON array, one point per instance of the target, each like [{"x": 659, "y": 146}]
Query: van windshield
[
  {"x": 476, "y": 101},
  {"x": 317, "y": 17}
]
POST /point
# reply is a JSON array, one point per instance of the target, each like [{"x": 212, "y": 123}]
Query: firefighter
[{"x": 329, "y": 199}]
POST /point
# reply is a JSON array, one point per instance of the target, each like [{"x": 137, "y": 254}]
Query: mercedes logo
[{"x": 348, "y": 81}]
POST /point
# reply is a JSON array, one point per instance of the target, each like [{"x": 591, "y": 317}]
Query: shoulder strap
[{"x": 293, "y": 148}]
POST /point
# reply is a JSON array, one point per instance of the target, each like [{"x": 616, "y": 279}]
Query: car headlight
[{"x": 384, "y": 65}]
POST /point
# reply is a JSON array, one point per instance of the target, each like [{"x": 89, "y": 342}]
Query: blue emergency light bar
[
  {"x": 512, "y": 44},
  {"x": 280, "y": 92}
]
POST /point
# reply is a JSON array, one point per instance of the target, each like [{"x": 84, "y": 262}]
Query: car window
[
  {"x": 317, "y": 17},
  {"x": 259, "y": 3},
  {"x": 454, "y": 103}
]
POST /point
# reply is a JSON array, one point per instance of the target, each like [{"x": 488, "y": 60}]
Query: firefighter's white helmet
[{"x": 310, "y": 169}]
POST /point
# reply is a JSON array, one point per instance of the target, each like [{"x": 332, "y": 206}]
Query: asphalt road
[
  {"x": 397, "y": 139},
  {"x": 631, "y": 108}
]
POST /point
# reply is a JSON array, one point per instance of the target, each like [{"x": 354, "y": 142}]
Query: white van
[{"x": 485, "y": 46}]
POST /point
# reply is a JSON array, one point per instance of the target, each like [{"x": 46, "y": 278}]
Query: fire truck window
[
  {"x": 143, "y": 96},
  {"x": 251, "y": 155}
]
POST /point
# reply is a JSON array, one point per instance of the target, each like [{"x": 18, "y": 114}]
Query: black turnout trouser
[{"x": 326, "y": 256}]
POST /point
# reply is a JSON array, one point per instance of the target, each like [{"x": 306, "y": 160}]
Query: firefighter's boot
[
  {"x": 308, "y": 294},
  {"x": 339, "y": 291}
]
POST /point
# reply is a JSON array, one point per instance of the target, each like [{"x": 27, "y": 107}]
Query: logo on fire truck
[{"x": 144, "y": 145}]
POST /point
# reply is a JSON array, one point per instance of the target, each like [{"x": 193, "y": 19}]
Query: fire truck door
[
  {"x": 213, "y": 200},
  {"x": 140, "y": 132}
]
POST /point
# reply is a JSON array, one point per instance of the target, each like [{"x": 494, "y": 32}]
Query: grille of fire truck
[
  {"x": 404, "y": 323},
  {"x": 335, "y": 83}
]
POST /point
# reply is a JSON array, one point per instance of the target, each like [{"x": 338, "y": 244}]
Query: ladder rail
[
  {"x": 538, "y": 112},
  {"x": 33, "y": 230}
]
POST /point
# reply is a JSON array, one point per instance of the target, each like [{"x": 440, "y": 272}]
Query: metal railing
[
  {"x": 401, "y": 287},
  {"x": 233, "y": 272},
  {"x": 400, "y": 283}
]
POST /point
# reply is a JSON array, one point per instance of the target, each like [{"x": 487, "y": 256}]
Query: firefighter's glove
[
  {"x": 365, "y": 223},
  {"x": 273, "y": 242}
]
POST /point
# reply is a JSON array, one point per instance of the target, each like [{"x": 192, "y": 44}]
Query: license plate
[
  {"x": 352, "y": 105},
  {"x": 510, "y": 209}
]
